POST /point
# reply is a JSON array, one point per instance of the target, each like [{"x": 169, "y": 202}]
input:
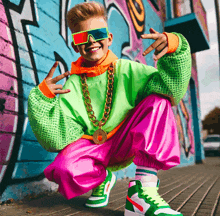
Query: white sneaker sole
[
  {"x": 113, "y": 181},
  {"x": 130, "y": 213}
]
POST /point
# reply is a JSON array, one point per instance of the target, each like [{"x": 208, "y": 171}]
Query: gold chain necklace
[{"x": 107, "y": 109}]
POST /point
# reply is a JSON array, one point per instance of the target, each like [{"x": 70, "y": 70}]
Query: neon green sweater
[{"x": 59, "y": 121}]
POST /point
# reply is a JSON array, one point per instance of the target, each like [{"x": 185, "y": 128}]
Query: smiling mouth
[{"x": 93, "y": 49}]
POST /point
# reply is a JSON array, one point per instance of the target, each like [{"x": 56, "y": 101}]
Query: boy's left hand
[{"x": 160, "y": 44}]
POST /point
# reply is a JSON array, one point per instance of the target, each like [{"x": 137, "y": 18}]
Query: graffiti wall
[{"x": 33, "y": 35}]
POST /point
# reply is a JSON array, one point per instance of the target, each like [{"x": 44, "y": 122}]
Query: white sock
[{"x": 147, "y": 176}]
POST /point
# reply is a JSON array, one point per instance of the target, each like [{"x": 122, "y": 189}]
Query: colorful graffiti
[
  {"x": 184, "y": 124},
  {"x": 33, "y": 36},
  {"x": 9, "y": 100}
]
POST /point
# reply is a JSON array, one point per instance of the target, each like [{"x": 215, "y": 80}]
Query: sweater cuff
[
  {"x": 45, "y": 90},
  {"x": 173, "y": 42}
]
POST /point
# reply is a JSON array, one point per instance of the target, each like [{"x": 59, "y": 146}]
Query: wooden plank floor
[{"x": 192, "y": 190}]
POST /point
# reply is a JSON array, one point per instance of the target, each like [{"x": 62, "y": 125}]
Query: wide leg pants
[{"x": 149, "y": 133}]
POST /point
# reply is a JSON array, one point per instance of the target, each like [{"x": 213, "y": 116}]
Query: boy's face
[{"x": 92, "y": 58}]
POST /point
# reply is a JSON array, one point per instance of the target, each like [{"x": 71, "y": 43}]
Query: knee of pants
[{"x": 80, "y": 167}]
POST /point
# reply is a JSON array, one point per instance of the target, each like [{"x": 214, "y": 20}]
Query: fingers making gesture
[
  {"x": 160, "y": 45},
  {"x": 51, "y": 82}
]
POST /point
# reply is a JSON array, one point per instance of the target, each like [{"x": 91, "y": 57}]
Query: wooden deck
[{"x": 192, "y": 190}]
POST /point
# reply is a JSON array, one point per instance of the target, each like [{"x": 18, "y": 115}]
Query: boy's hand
[
  {"x": 51, "y": 82},
  {"x": 160, "y": 44}
]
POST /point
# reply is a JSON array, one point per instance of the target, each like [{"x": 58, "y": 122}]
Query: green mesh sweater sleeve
[
  {"x": 174, "y": 72},
  {"x": 53, "y": 129}
]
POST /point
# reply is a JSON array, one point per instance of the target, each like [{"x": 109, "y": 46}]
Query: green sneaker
[
  {"x": 100, "y": 195},
  {"x": 146, "y": 201}
]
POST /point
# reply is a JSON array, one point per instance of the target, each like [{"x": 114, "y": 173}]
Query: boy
[{"x": 137, "y": 125}]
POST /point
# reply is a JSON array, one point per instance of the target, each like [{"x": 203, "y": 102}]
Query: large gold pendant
[{"x": 99, "y": 134}]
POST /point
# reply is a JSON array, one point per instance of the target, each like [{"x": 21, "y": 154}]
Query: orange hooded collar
[{"x": 76, "y": 67}]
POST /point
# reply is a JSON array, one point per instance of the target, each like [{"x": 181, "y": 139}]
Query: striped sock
[{"x": 147, "y": 176}]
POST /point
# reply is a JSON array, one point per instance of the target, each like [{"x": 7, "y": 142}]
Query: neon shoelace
[
  {"x": 98, "y": 191},
  {"x": 152, "y": 195}
]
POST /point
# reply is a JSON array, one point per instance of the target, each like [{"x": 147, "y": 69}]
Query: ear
[
  {"x": 74, "y": 47},
  {"x": 110, "y": 39}
]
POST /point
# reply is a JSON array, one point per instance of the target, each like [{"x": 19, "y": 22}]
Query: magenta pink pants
[{"x": 149, "y": 134}]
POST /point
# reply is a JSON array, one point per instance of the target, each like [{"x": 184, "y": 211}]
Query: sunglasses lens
[
  {"x": 97, "y": 34},
  {"x": 80, "y": 38}
]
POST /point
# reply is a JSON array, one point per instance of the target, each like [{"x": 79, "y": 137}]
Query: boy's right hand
[{"x": 51, "y": 82}]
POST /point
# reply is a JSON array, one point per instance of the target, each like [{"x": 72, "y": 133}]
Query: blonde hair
[{"x": 84, "y": 11}]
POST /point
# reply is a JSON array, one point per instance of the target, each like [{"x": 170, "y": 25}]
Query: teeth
[{"x": 94, "y": 49}]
